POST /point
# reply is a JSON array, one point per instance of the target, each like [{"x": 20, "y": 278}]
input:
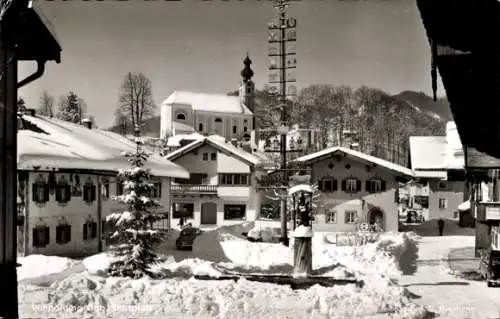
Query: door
[
  {"x": 377, "y": 218},
  {"x": 209, "y": 214}
]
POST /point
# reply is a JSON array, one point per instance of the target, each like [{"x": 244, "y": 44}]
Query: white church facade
[{"x": 232, "y": 117}]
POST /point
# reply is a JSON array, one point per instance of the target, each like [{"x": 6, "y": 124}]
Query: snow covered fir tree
[{"x": 134, "y": 233}]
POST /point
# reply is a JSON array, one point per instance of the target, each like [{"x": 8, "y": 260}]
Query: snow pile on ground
[
  {"x": 33, "y": 266},
  {"x": 264, "y": 233},
  {"x": 90, "y": 292},
  {"x": 83, "y": 295}
]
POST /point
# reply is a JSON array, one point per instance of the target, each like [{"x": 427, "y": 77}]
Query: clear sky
[{"x": 199, "y": 45}]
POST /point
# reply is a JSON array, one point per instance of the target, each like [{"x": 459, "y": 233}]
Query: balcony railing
[{"x": 189, "y": 188}]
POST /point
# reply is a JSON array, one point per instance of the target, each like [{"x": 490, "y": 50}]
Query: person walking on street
[{"x": 440, "y": 226}]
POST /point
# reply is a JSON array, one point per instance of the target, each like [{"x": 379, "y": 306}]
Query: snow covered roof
[
  {"x": 219, "y": 143},
  {"x": 310, "y": 158},
  {"x": 182, "y": 127},
  {"x": 63, "y": 145},
  {"x": 431, "y": 174},
  {"x": 219, "y": 103},
  {"x": 175, "y": 141},
  {"x": 436, "y": 152},
  {"x": 427, "y": 152}
]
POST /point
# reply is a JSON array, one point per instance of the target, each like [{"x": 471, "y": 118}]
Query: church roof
[{"x": 209, "y": 102}]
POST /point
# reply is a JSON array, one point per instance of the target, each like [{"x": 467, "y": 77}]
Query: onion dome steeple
[{"x": 247, "y": 72}]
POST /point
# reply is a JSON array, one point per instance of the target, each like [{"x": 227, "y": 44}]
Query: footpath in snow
[
  {"x": 68, "y": 288},
  {"x": 437, "y": 288}
]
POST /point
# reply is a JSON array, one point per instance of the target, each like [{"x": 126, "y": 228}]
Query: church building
[{"x": 232, "y": 117}]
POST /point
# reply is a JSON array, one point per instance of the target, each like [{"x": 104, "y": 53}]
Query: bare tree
[
  {"x": 46, "y": 104},
  {"x": 122, "y": 122},
  {"x": 136, "y": 98}
]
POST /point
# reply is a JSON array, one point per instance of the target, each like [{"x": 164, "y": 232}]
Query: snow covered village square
[{"x": 249, "y": 159}]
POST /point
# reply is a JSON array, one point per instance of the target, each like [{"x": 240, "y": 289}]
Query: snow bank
[
  {"x": 85, "y": 295},
  {"x": 179, "y": 295},
  {"x": 33, "y": 266}
]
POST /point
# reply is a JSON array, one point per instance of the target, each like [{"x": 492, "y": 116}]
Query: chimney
[{"x": 87, "y": 123}]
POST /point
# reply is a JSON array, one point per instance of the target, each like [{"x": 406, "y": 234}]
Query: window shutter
[
  {"x": 320, "y": 185},
  {"x": 34, "y": 192},
  {"x": 368, "y": 186},
  {"x": 86, "y": 196},
  {"x": 344, "y": 184},
  {"x": 35, "y": 237},
  {"x": 382, "y": 185},
  {"x": 67, "y": 229},
  {"x": 93, "y": 193},
  {"x": 159, "y": 189},
  {"x": 334, "y": 185},
  {"x": 46, "y": 192},
  {"x": 358, "y": 185},
  {"x": 58, "y": 193},
  {"x": 67, "y": 192},
  {"x": 85, "y": 234},
  {"x": 47, "y": 235},
  {"x": 58, "y": 234},
  {"x": 346, "y": 219},
  {"x": 93, "y": 233}
]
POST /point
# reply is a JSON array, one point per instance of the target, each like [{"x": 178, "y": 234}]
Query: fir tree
[
  {"x": 134, "y": 233},
  {"x": 71, "y": 108}
]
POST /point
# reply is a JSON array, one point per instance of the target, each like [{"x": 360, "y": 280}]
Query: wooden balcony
[
  {"x": 193, "y": 189},
  {"x": 487, "y": 211}
]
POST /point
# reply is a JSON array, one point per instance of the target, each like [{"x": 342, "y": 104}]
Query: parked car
[
  {"x": 414, "y": 216},
  {"x": 186, "y": 238},
  {"x": 489, "y": 267}
]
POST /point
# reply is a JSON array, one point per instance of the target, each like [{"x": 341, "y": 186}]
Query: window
[
  {"x": 331, "y": 217},
  {"x": 76, "y": 187},
  {"x": 213, "y": 156},
  {"x": 351, "y": 185},
  {"x": 180, "y": 116},
  {"x": 119, "y": 187},
  {"x": 185, "y": 210},
  {"x": 89, "y": 191},
  {"x": 63, "y": 233},
  {"x": 40, "y": 191},
  {"x": 245, "y": 121},
  {"x": 156, "y": 190},
  {"x": 443, "y": 203},
  {"x": 375, "y": 185},
  {"x": 232, "y": 212},
  {"x": 442, "y": 185},
  {"x": 105, "y": 188},
  {"x": 205, "y": 156},
  {"x": 234, "y": 129},
  {"x": 350, "y": 216},
  {"x": 233, "y": 179},
  {"x": 218, "y": 120},
  {"x": 200, "y": 127},
  {"x": 41, "y": 236},
  {"x": 89, "y": 229},
  {"x": 327, "y": 184},
  {"x": 63, "y": 191}
]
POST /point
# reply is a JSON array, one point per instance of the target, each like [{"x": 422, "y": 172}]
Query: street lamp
[{"x": 24, "y": 36}]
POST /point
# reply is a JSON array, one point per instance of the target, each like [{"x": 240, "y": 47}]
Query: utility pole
[{"x": 282, "y": 32}]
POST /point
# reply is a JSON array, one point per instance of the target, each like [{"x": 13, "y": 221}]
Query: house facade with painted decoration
[
  {"x": 66, "y": 181},
  {"x": 221, "y": 189},
  {"x": 354, "y": 188},
  {"x": 185, "y": 112}
]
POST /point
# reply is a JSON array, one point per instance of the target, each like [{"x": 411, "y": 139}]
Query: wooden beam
[{"x": 8, "y": 178}]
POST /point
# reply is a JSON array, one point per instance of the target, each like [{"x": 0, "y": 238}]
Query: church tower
[{"x": 247, "y": 89}]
